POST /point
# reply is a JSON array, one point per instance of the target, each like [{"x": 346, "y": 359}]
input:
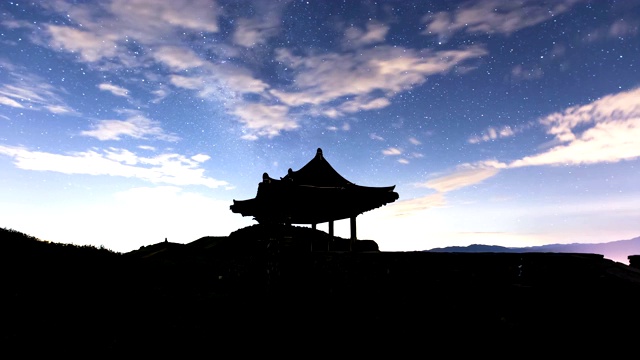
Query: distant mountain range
[{"x": 614, "y": 250}]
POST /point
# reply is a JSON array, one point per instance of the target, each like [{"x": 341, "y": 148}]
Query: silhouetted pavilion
[{"x": 314, "y": 194}]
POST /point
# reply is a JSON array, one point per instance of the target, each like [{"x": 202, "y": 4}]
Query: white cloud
[
  {"x": 160, "y": 94},
  {"x": 114, "y": 89},
  {"x": 178, "y": 58},
  {"x": 494, "y": 16},
  {"x": 135, "y": 33},
  {"x": 171, "y": 169},
  {"x": 102, "y": 32},
  {"x": 91, "y": 47},
  {"x": 337, "y": 77},
  {"x": 606, "y": 130},
  {"x": 188, "y": 82},
  {"x": 121, "y": 155},
  {"x": 376, "y": 137},
  {"x": 345, "y": 127},
  {"x": 200, "y": 158},
  {"x": 392, "y": 151},
  {"x": 331, "y": 113},
  {"x": 221, "y": 83},
  {"x": 352, "y": 82},
  {"x": 58, "y": 109},
  {"x": 252, "y": 32},
  {"x": 240, "y": 80},
  {"x": 10, "y": 102},
  {"x": 136, "y": 126},
  {"x": 264, "y": 120}
]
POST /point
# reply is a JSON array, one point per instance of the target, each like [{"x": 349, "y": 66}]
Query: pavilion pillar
[
  {"x": 313, "y": 226},
  {"x": 330, "y": 235},
  {"x": 352, "y": 243}
]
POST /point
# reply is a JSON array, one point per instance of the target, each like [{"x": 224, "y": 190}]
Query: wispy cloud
[
  {"x": 344, "y": 127},
  {"x": 519, "y": 72},
  {"x": 341, "y": 77},
  {"x": 493, "y": 16},
  {"x": 619, "y": 29},
  {"x": 250, "y": 32},
  {"x": 4, "y": 100},
  {"x": 407, "y": 207},
  {"x": 392, "y": 151},
  {"x": 606, "y": 130},
  {"x": 114, "y": 89},
  {"x": 492, "y": 133},
  {"x": 623, "y": 28},
  {"x": 136, "y": 126},
  {"x": 375, "y": 32},
  {"x": 402, "y": 156},
  {"x": 174, "y": 169},
  {"x": 222, "y": 82},
  {"x": 360, "y": 103},
  {"x": 464, "y": 175},
  {"x": 32, "y": 92},
  {"x": 260, "y": 119}
]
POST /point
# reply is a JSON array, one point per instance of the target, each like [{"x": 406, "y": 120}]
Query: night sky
[{"x": 513, "y": 123}]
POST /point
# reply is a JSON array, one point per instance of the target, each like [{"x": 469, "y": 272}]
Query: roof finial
[{"x": 319, "y": 152}]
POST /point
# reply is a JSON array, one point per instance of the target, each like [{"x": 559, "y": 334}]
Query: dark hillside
[{"x": 254, "y": 286}]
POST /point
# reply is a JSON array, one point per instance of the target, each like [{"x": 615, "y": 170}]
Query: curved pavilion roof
[{"x": 314, "y": 194}]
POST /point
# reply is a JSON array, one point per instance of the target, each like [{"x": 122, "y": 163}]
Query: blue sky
[{"x": 513, "y": 123}]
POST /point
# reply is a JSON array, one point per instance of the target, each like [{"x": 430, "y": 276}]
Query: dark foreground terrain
[{"x": 266, "y": 289}]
